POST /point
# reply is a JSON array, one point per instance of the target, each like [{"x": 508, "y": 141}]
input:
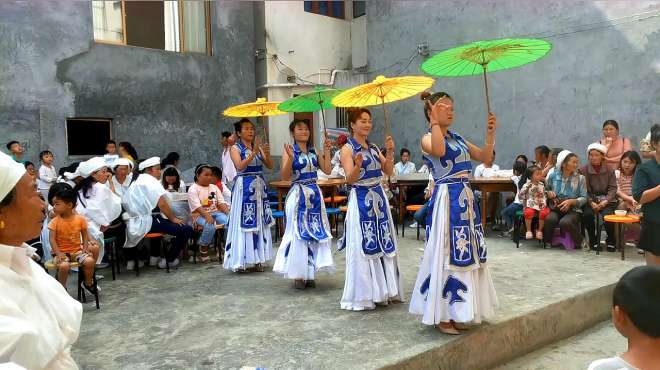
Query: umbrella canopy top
[
  {"x": 492, "y": 55},
  {"x": 310, "y": 102},
  {"x": 259, "y": 108},
  {"x": 383, "y": 90}
]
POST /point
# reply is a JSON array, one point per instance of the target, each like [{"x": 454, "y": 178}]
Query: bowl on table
[{"x": 620, "y": 212}]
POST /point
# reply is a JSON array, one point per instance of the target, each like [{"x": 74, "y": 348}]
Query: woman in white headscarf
[
  {"x": 96, "y": 202},
  {"x": 122, "y": 177},
  {"x": 39, "y": 321}
]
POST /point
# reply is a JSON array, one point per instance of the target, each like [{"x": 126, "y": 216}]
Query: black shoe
[
  {"x": 310, "y": 284},
  {"x": 611, "y": 248},
  {"x": 597, "y": 248}
]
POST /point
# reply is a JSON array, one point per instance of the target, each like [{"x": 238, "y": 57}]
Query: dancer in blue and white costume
[
  {"x": 372, "y": 264},
  {"x": 249, "y": 243},
  {"x": 306, "y": 244},
  {"x": 453, "y": 286}
]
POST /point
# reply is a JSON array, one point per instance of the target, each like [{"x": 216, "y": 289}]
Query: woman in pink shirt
[
  {"x": 208, "y": 207},
  {"x": 615, "y": 144}
]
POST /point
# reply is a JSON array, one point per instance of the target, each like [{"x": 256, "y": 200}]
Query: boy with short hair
[
  {"x": 16, "y": 151},
  {"x": 70, "y": 240},
  {"x": 635, "y": 314},
  {"x": 47, "y": 174}
]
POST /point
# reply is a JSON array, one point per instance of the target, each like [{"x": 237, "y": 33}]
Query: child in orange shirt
[{"x": 70, "y": 240}]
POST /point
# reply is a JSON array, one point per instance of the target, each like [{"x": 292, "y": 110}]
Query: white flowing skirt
[
  {"x": 368, "y": 280},
  {"x": 442, "y": 302},
  {"x": 302, "y": 259},
  {"x": 245, "y": 249}
]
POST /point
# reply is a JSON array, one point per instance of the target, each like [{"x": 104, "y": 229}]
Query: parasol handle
[
  {"x": 325, "y": 132},
  {"x": 485, "y": 66},
  {"x": 387, "y": 124}
]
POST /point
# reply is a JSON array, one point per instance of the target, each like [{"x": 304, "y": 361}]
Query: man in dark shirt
[{"x": 646, "y": 190}]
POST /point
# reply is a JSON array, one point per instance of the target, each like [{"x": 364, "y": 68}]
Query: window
[
  {"x": 182, "y": 26},
  {"x": 359, "y": 8},
  {"x": 342, "y": 117},
  {"x": 333, "y": 9},
  {"x": 87, "y": 136}
]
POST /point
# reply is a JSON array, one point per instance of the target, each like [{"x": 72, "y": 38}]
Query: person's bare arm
[
  {"x": 265, "y": 155},
  {"x": 242, "y": 164},
  {"x": 325, "y": 160},
  {"x": 351, "y": 167},
  {"x": 165, "y": 208},
  {"x": 287, "y": 161},
  {"x": 388, "y": 159}
]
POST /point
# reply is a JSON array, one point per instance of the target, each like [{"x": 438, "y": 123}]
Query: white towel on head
[{"x": 10, "y": 173}]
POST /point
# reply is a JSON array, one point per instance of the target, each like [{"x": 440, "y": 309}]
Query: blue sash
[
  {"x": 310, "y": 223},
  {"x": 465, "y": 233},
  {"x": 253, "y": 193}
]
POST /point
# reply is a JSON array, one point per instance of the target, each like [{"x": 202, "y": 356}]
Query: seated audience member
[
  {"x": 635, "y": 308},
  {"x": 541, "y": 156},
  {"x": 615, "y": 144},
  {"x": 522, "y": 158},
  {"x": 551, "y": 163},
  {"x": 567, "y": 191},
  {"x": 534, "y": 200},
  {"x": 172, "y": 181},
  {"x": 110, "y": 155},
  {"x": 123, "y": 176},
  {"x": 486, "y": 169},
  {"x": 70, "y": 241},
  {"x": 216, "y": 175},
  {"x": 145, "y": 194},
  {"x": 624, "y": 179},
  {"x": 421, "y": 214},
  {"x": 171, "y": 160},
  {"x": 96, "y": 202},
  {"x": 509, "y": 212},
  {"x": 16, "y": 150},
  {"x": 405, "y": 166},
  {"x": 40, "y": 321},
  {"x": 601, "y": 194},
  {"x": 646, "y": 191},
  {"x": 208, "y": 207},
  {"x": 126, "y": 150},
  {"x": 646, "y": 149}
]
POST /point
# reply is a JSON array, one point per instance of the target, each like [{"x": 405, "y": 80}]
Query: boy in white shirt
[
  {"x": 635, "y": 307},
  {"x": 47, "y": 174},
  {"x": 486, "y": 169},
  {"x": 404, "y": 167}
]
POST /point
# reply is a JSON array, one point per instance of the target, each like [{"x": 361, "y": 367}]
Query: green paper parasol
[
  {"x": 318, "y": 100},
  {"x": 486, "y": 56}
]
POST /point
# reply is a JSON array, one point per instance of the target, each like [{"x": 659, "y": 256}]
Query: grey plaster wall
[
  {"x": 598, "y": 69},
  {"x": 161, "y": 101}
]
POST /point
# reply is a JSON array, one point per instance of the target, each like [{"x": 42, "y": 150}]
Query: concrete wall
[
  {"x": 161, "y": 101},
  {"x": 598, "y": 69}
]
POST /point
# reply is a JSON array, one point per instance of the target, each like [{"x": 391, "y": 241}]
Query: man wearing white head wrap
[
  {"x": 96, "y": 202},
  {"x": 39, "y": 321},
  {"x": 145, "y": 194},
  {"x": 567, "y": 190},
  {"x": 601, "y": 195}
]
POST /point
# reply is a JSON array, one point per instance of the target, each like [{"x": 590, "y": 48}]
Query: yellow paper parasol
[
  {"x": 383, "y": 90},
  {"x": 260, "y": 108}
]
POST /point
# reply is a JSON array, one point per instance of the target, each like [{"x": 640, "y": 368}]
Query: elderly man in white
[
  {"x": 139, "y": 201},
  {"x": 39, "y": 321}
]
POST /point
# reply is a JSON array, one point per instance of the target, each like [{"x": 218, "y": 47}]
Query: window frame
[
  {"x": 107, "y": 120},
  {"x": 209, "y": 32}
]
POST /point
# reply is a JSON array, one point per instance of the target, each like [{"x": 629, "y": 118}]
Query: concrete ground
[
  {"x": 575, "y": 353},
  {"x": 203, "y": 317}
]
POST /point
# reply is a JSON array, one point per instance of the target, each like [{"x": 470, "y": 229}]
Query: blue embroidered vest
[
  {"x": 254, "y": 199},
  {"x": 464, "y": 219},
  {"x": 308, "y": 217},
  {"x": 374, "y": 214}
]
